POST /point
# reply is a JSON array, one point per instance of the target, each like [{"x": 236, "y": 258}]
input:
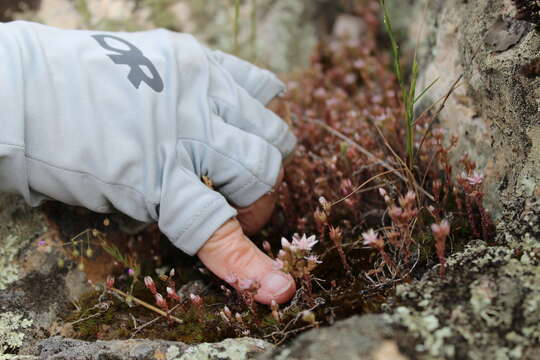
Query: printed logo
[{"x": 135, "y": 59}]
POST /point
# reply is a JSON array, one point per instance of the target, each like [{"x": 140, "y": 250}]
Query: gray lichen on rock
[
  {"x": 9, "y": 271},
  {"x": 488, "y": 311},
  {"x": 19, "y": 225},
  {"x": 144, "y": 349},
  {"x": 11, "y": 336}
]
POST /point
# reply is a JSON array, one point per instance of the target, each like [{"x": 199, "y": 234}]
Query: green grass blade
[{"x": 425, "y": 90}]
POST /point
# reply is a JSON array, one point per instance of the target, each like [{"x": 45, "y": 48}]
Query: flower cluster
[{"x": 295, "y": 257}]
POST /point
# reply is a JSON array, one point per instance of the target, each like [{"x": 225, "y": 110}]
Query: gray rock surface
[
  {"x": 367, "y": 337},
  {"x": 495, "y": 109},
  {"x": 487, "y": 306},
  {"x": 277, "y": 22},
  {"x": 58, "y": 348},
  {"x": 34, "y": 289}
]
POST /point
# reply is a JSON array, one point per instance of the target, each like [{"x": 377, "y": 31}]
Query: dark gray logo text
[{"x": 135, "y": 59}]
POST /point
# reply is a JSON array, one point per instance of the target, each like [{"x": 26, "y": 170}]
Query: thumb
[{"x": 229, "y": 252}]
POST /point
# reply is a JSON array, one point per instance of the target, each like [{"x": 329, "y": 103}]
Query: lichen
[
  {"x": 8, "y": 268},
  {"x": 15, "y": 235},
  {"x": 489, "y": 311},
  {"x": 237, "y": 349},
  {"x": 11, "y": 336}
]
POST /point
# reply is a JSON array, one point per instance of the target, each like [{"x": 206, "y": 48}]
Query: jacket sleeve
[
  {"x": 92, "y": 119},
  {"x": 13, "y": 176}
]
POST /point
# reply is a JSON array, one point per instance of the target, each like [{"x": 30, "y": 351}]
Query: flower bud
[
  {"x": 110, "y": 282},
  {"x": 149, "y": 283},
  {"x": 309, "y": 317},
  {"x": 320, "y": 217},
  {"x": 196, "y": 299},
  {"x": 161, "y": 302},
  {"x": 325, "y": 204},
  {"x": 172, "y": 294}
]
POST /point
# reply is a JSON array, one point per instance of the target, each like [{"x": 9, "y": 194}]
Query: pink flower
[
  {"x": 131, "y": 272},
  {"x": 382, "y": 192},
  {"x": 441, "y": 230},
  {"x": 370, "y": 237},
  {"x": 304, "y": 243},
  {"x": 285, "y": 244},
  {"x": 42, "y": 243},
  {"x": 320, "y": 93},
  {"x": 410, "y": 197},
  {"x": 359, "y": 64},
  {"x": 313, "y": 259},
  {"x": 395, "y": 212},
  {"x": 475, "y": 179}
]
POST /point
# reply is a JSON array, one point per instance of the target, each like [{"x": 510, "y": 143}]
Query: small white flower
[
  {"x": 313, "y": 259},
  {"x": 475, "y": 179},
  {"x": 304, "y": 243},
  {"x": 370, "y": 237}
]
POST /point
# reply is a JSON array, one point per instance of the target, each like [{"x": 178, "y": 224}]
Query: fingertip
[{"x": 276, "y": 286}]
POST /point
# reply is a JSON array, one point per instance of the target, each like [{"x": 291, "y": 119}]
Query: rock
[
  {"x": 34, "y": 289},
  {"x": 69, "y": 349},
  {"x": 495, "y": 110},
  {"x": 280, "y": 23},
  {"x": 488, "y": 311},
  {"x": 366, "y": 337},
  {"x": 349, "y": 27}
]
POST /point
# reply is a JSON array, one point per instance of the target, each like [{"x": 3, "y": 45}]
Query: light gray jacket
[{"x": 131, "y": 121}]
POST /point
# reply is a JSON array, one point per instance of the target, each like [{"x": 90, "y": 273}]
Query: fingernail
[{"x": 276, "y": 283}]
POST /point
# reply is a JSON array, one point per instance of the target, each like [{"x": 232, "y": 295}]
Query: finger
[
  {"x": 239, "y": 109},
  {"x": 229, "y": 252},
  {"x": 254, "y": 217},
  {"x": 242, "y": 166},
  {"x": 260, "y": 84}
]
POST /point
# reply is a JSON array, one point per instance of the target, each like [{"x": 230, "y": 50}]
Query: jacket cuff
[{"x": 211, "y": 217}]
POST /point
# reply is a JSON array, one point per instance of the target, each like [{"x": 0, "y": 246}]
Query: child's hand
[{"x": 132, "y": 122}]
